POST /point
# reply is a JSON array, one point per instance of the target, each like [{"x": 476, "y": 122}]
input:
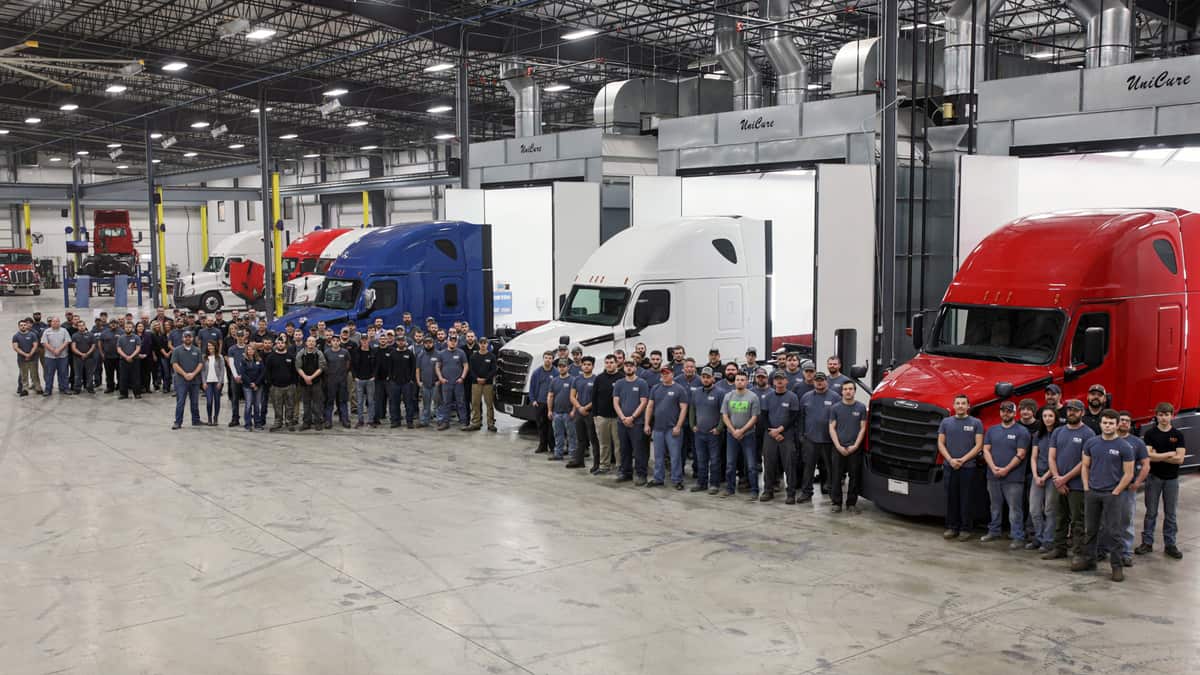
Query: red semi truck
[
  {"x": 113, "y": 246},
  {"x": 17, "y": 272},
  {"x": 1075, "y": 298},
  {"x": 299, "y": 260}
]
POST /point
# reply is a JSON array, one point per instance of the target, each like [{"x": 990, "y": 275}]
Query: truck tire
[
  {"x": 37, "y": 290},
  {"x": 211, "y": 301}
]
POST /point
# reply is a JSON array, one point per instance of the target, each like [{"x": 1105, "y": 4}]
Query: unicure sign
[
  {"x": 1163, "y": 80},
  {"x": 756, "y": 124},
  {"x": 527, "y": 148}
]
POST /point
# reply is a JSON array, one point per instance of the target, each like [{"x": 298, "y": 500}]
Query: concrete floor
[{"x": 128, "y": 548}]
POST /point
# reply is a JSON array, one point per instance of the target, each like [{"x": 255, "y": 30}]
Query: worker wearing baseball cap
[
  {"x": 1066, "y": 463},
  {"x": 1097, "y": 401},
  {"x": 1054, "y": 400},
  {"x": 1005, "y": 447},
  {"x": 709, "y": 433},
  {"x": 666, "y": 415}
]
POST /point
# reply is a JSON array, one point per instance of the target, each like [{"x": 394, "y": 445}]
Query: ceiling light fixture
[
  {"x": 444, "y": 137},
  {"x": 1042, "y": 55},
  {"x": 113, "y": 146},
  {"x": 155, "y": 136},
  {"x": 439, "y": 109},
  {"x": 156, "y": 161},
  {"x": 233, "y": 28},
  {"x": 115, "y": 88},
  {"x": 56, "y": 159},
  {"x": 336, "y": 91},
  {"x": 174, "y": 66},
  {"x": 82, "y": 153},
  {"x": 236, "y": 146},
  {"x": 33, "y": 120},
  {"x": 200, "y": 125},
  {"x": 288, "y": 137},
  {"x": 312, "y": 155},
  {"x": 369, "y": 147},
  {"x": 254, "y": 111},
  {"x": 190, "y": 154},
  {"x": 557, "y": 87},
  {"x": 814, "y": 86},
  {"x": 261, "y": 33},
  {"x": 122, "y": 166},
  {"x": 580, "y": 34},
  {"x": 68, "y": 107},
  {"x": 3, "y": 132},
  {"x": 357, "y": 123},
  {"x": 439, "y": 67}
]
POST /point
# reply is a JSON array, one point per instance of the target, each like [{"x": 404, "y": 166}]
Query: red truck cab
[
  {"x": 114, "y": 249},
  {"x": 17, "y": 271},
  {"x": 301, "y": 256},
  {"x": 1074, "y": 298}
]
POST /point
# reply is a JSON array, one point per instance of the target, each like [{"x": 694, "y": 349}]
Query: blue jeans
[
  {"x": 337, "y": 395},
  {"x": 1168, "y": 492},
  {"x": 633, "y": 449},
  {"x": 427, "y": 404},
  {"x": 453, "y": 395},
  {"x": 564, "y": 435},
  {"x": 212, "y": 400},
  {"x": 1043, "y": 502},
  {"x": 748, "y": 449},
  {"x": 401, "y": 393},
  {"x": 1013, "y": 493},
  {"x": 187, "y": 391},
  {"x": 664, "y": 442},
  {"x": 255, "y": 412},
  {"x": 167, "y": 375},
  {"x": 365, "y": 390},
  {"x": 708, "y": 459},
  {"x": 60, "y": 368},
  {"x": 1129, "y": 502}
]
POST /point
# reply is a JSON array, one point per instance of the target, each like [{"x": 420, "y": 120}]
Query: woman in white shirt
[{"x": 213, "y": 378}]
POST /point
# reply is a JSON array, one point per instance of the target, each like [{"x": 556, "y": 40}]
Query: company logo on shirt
[
  {"x": 635, "y": 389},
  {"x": 739, "y": 406},
  {"x": 788, "y": 405},
  {"x": 1011, "y": 437},
  {"x": 670, "y": 393},
  {"x": 856, "y": 413},
  {"x": 1114, "y": 451},
  {"x": 1077, "y": 440},
  {"x": 968, "y": 427}
]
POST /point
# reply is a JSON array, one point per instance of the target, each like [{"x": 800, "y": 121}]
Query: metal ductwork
[
  {"x": 527, "y": 97},
  {"x": 966, "y": 42},
  {"x": 1109, "y": 40},
  {"x": 735, "y": 59},
  {"x": 791, "y": 72}
]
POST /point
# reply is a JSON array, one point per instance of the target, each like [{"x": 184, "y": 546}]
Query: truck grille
[
  {"x": 21, "y": 277},
  {"x": 903, "y": 439},
  {"x": 289, "y": 294},
  {"x": 512, "y": 369}
]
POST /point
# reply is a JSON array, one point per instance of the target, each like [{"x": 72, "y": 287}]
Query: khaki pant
[
  {"x": 482, "y": 394},
  {"x": 353, "y": 390},
  {"x": 282, "y": 399},
  {"x": 610, "y": 444},
  {"x": 28, "y": 371}
]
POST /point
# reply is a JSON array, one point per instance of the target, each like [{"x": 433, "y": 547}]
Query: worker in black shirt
[
  {"x": 1097, "y": 401},
  {"x": 282, "y": 376},
  {"x": 483, "y": 376},
  {"x": 606, "y": 418},
  {"x": 383, "y": 374},
  {"x": 364, "y": 363},
  {"x": 1167, "y": 452},
  {"x": 401, "y": 382}
]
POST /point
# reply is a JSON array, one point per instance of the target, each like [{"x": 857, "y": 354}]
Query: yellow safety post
[
  {"x": 277, "y": 245},
  {"x": 162, "y": 250},
  {"x": 366, "y": 209},
  {"x": 204, "y": 232},
  {"x": 28, "y": 226}
]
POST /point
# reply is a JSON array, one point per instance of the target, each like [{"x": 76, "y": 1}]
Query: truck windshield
[
  {"x": 1008, "y": 334},
  {"x": 111, "y": 232},
  {"x": 213, "y": 264},
  {"x": 595, "y": 305},
  {"x": 16, "y": 258},
  {"x": 288, "y": 266},
  {"x": 323, "y": 265},
  {"x": 337, "y": 294}
]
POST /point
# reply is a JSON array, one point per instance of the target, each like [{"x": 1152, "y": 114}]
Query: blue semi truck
[{"x": 441, "y": 269}]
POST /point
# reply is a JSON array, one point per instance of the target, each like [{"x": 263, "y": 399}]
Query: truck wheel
[
  {"x": 211, "y": 301},
  {"x": 37, "y": 290}
]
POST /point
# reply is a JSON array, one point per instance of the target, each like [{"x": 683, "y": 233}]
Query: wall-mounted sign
[
  {"x": 532, "y": 149},
  {"x": 763, "y": 124},
  {"x": 1142, "y": 84}
]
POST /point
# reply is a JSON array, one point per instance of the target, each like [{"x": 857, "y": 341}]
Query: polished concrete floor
[{"x": 128, "y": 548}]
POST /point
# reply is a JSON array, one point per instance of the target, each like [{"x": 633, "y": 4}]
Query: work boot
[
  {"x": 233, "y": 423},
  {"x": 1118, "y": 573},
  {"x": 790, "y": 500},
  {"x": 990, "y": 537},
  {"x": 964, "y": 536},
  {"x": 950, "y": 534},
  {"x": 1174, "y": 552},
  {"x": 1032, "y": 546},
  {"x": 766, "y": 496},
  {"x": 1143, "y": 549},
  {"x": 837, "y": 508},
  {"x": 345, "y": 424},
  {"x": 275, "y": 427},
  {"x": 654, "y": 483},
  {"x": 1127, "y": 561},
  {"x": 714, "y": 490},
  {"x": 573, "y": 464},
  {"x": 443, "y": 426},
  {"x": 305, "y": 427},
  {"x": 640, "y": 481},
  {"x": 1054, "y": 554},
  {"x": 1082, "y": 564},
  {"x": 492, "y": 428},
  {"x": 358, "y": 425}
]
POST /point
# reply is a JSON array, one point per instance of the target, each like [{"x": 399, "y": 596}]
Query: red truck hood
[{"x": 938, "y": 379}]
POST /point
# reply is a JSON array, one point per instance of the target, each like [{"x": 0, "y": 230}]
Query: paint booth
[{"x": 807, "y": 168}]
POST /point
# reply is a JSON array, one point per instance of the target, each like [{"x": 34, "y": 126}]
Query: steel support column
[
  {"x": 27, "y": 225},
  {"x": 886, "y": 223},
  {"x": 277, "y": 214},
  {"x": 463, "y": 105},
  {"x": 75, "y": 215},
  {"x": 264, "y": 164},
  {"x": 158, "y": 284}
]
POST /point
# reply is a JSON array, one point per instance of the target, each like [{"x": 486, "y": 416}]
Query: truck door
[
  {"x": 449, "y": 299},
  {"x": 1093, "y": 316},
  {"x": 387, "y": 302},
  {"x": 651, "y": 317},
  {"x": 228, "y": 296}
]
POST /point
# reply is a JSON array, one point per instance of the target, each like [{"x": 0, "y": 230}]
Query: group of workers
[
  {"x": 309, "y": 376},
  {"x": 1065, "y": 474}
]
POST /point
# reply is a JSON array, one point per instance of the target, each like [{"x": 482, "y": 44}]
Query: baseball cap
[
  {"x": 751, "y": 350},
  {"x": 564, "y": 362},
  {"x": 1097, "y": 387},
  {"x": 665, "y": 369},
  {"x": 1053, "y": 389},
  {"x": 562, "y": 348},
  {"x": 820, "y": 376},
  {"x": 187, "y": 333},
  {"x": 806, "y": 364},
  {"x": 759, "y": 371},
  {"x": 714, "y": 351},
  {"x": 1075, "y": 404},
  {"x": 778, "y": 376},
  {"x": 1008, "y": 406},
  {"x": 576, "y": 349},
  {"x": 706, "y": 370}
]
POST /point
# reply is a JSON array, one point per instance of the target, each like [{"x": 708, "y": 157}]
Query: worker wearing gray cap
[
  {"x": 816, "y": 444},
  {"x": 781, "y": 411},
  {"x": 752, "y": 364},
  {"x": 709, "y": 431},
  {"x": 1066, "y": 465},
  {"x": 187, "y": 362},
  {"x": 576, "y": 367}
]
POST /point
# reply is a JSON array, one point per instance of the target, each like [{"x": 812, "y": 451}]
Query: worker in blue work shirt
[
  {"x": 451, "y": 368},
  {"x": 210, "y": 333},
  {"x": 847, "y": 430},
  {"x": 653, "y": 373},
  {"x": 708, "y": 430},
  {"x": 780, "y": 414},
  {"x": 539, "y": 389},
  {"x": 1107, "y": 472},
  {"x": 666, "y": 416},
  {"x": 583, "y": 391},
  {"x": 815, "y": 444},
  {"x": 1066, "y": 463},
  {"x": 631, "y": 395},
  {"x": 129, "y": 347},
  {"x": 960, "y": 440},
  {"x": 1005, "y": 447},
  {"x": 86, "y": 354},
  {"x": 561, "y": 410},
  {"x": 689, "y": 377},
  {"x": 108, "y": 353},
  {"x": 1141, "y": 472}
]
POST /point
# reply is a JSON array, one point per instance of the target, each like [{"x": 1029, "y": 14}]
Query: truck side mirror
[
  {"x": 368, "y": 299},
  {"x": 1004, "y": 390},
  {"x": 846, "y": 341},
  {"x": 858, "y": 372},
  {"x": 918, "y": 331},
  {"x": 139, "y": 239},
  {"x": 1093, "y": 346}
]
